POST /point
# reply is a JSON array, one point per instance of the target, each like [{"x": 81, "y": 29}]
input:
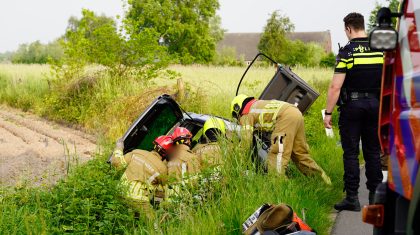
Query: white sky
[{"x": 25, "y": 21}]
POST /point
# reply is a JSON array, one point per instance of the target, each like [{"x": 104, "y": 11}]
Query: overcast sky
[{"x": 25, "y": 21}]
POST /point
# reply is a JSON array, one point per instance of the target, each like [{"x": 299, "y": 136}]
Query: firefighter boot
[{"x": 350, "y": 203}]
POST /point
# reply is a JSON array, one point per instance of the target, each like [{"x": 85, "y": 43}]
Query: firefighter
[
  {"x": 285, "y": 122},
  {"x": 182, "y": 162},
  {"x": 144, "y": 173},
  {"x": 208, "y": 150},
  {"x": 355, "y": 87}
]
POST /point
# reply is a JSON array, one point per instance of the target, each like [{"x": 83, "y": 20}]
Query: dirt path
[{"x": 38, "y": 152}]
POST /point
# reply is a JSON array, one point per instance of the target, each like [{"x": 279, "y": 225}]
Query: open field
[
  {"x": 39, "y": 151},
  {"x": 89, "y": 200}
]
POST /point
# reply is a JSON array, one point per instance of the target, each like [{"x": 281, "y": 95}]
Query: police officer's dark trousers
[{"x": 359, "y": 120}]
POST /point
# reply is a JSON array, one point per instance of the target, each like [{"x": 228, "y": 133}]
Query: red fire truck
[{"x": 397, "y": 202}]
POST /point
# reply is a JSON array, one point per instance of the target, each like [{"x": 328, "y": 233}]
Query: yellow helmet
[
  {"x": 212, "y": 126},
  {"x": 237, "y": 105}
]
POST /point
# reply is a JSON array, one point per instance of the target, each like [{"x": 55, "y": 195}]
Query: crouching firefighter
[
  {"x": 285, "y": 122},
  {"x": 144, "y": 174},
  {"x": 183, "y": 165},
  {"x": 182, "y": 162},
  {"x": 208, "y": 150}
]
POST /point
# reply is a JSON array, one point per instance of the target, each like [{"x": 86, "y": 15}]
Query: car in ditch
[{"x": 164, "y": 114}]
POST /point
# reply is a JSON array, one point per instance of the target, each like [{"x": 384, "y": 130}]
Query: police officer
[
  {"x": 285, "y": 122},
  {"x": 356, "y": 86},
  {"x": 209, "y": 152},
  {"x": 145, "y": 172}
]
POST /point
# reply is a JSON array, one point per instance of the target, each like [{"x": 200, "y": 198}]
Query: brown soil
[{"x": 35, "y": 152}]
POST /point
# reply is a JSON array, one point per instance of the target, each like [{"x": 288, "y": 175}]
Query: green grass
[{"x": 89, "y": 200}]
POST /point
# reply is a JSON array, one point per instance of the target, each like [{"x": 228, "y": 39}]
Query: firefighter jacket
[
  {"x": 262, "y": 115},
  {"x": 209, "y": 154},
  {"x": 142, "y": 166},
  {"x": 183, "y": 162}
]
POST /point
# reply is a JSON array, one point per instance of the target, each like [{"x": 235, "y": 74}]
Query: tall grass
[
  {"x": 89, "y": 200},
  {"x": 22, "y": 86}
]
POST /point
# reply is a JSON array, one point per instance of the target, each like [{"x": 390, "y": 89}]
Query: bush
[
  {"x": 227, "y": 56},
  {"x": 328, "y": 60},
  {"x": 88, "y": 200}
]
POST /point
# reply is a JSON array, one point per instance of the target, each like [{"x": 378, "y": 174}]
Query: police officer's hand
[{"x": 328, "y": 121}]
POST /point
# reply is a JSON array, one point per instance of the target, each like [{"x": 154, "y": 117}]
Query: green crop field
[{"x": 89, "y": 199}]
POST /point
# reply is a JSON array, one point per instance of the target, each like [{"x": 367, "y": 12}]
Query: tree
[
  {"x": 273, "y": 41},
  {"x": 392, "y": 4},
  {"x": 37, "y": 53},
  {"x": 216, "y": 30},
  {"x": 328, "y": 60},
  {"x": 5, "y": 56},
  {"x": 95, "y": 39},
  {"x": 184, "y": 26}
]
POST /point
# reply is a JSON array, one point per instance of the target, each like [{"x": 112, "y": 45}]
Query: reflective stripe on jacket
[{"x": 262, "y": 115}]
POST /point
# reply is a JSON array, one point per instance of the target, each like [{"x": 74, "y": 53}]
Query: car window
[{"x": 161, "y": 125}]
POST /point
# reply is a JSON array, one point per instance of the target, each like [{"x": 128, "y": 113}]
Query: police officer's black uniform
[{"x": 359, "y": 112}]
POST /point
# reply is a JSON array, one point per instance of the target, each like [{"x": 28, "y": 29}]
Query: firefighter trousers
[
  {"x": 138, "y": 196},
  {"x": 359, "y": 121},
  {"x": 288, "y": 141}
]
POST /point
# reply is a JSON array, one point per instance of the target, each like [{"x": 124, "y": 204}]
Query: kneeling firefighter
[
  {"x": 208, "y": 150},
  {"x": 285, "y": 122},
  {"x": 144, "y": 173},
  {"x": 182, "y": 162},
  {"x": 183, "y": 165}
]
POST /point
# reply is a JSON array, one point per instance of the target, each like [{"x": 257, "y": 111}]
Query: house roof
[{"x": 246, "y": 44}]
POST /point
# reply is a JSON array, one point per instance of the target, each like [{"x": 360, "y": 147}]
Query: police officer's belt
[{"x": 355, "y": 95}]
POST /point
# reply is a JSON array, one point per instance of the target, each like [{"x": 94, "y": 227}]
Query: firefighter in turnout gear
[
  {"x": 182, "y": 162},
  {"x": 208, "y": 150},
  {"x": 144, "y": 173},
  {"x": 355, "y": 88},
  {"x": 285, "y": 122}
]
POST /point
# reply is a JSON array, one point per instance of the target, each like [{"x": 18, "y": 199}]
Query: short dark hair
[{"x": 355, "y": 21}]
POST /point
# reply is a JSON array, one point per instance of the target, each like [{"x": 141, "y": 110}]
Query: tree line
[{"x": 159, "y": 32}]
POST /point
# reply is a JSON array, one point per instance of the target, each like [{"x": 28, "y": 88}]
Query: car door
[
  {"x": 158, "y": 119},
  {"x": 285, "y": 86}
]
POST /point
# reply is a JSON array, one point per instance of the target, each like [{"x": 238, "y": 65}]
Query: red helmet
[
  {"x": 181, "y": 135},
  {"x": 163, "y": 145}
]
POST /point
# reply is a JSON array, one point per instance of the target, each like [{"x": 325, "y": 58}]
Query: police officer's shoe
[
  {"x": 350, "y": 203},
  {"x": 371, "y": 197}
]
